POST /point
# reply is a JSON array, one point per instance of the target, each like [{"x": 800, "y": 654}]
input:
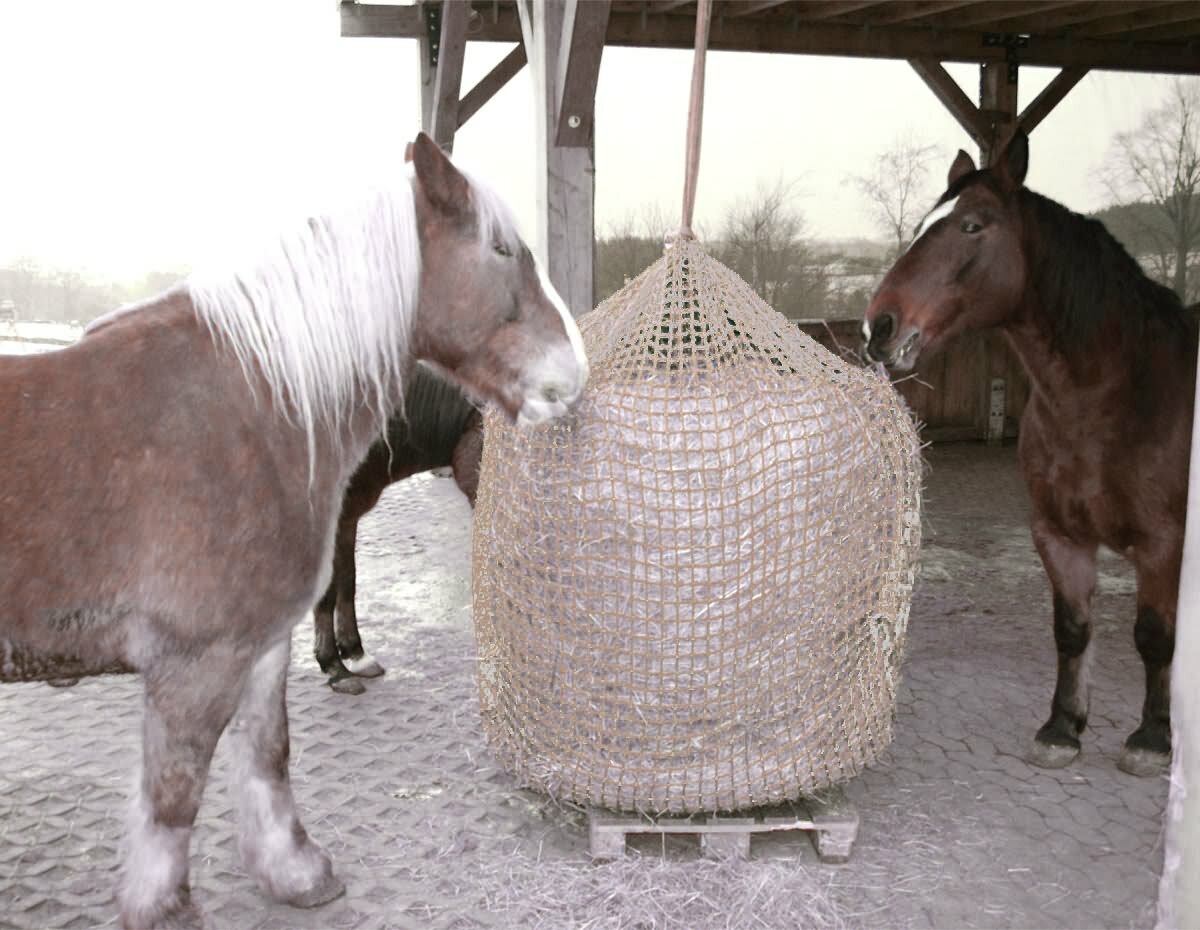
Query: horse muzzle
[
  {"x": 884, "y": 341},
  {"x": 553, "y": 387}
]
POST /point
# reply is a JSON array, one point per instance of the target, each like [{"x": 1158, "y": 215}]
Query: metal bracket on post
[
  {"x": 1010, "y": 42},
  {"x": 432, "y": 12}
]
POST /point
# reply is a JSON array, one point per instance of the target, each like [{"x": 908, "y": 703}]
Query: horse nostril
[
  {"x": 885, "y": 325},
  {"x": 550, "y": 394}
]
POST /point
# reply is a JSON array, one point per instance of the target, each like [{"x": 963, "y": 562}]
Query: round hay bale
[{"x": 692, "y": 594}]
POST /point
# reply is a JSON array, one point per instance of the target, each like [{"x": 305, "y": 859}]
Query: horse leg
[
  {"x": 349, "y": 644},
  {"x": 188, "y": 703},
  {"x": 1147, "y": 751},
  {"x": 341, "y": 679},
  {"x": 275, "y": 847},
  {"x": 1072, "y": 571}
]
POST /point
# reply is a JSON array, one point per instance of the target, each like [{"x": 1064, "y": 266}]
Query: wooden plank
[
  {"x": 913, "y": 11},
  {"x": 749, "y": 7},
  {"x": 829, "y": 817},
  {"x": 504, "y": 71},
  {"x": 988, "y": 15},
  {"x": 447, "y": 82},
  {"x": 1050, "y": 97},
  {"x": 952, "y": 97},
  {"x": 584, "y": 28},
  {"x": 829, "y": 9},
  {"x": 1132, "y": 24},
  {"x": 1074, "y": 21}
]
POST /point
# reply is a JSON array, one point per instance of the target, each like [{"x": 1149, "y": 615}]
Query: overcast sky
[{"x": 134, "y": 134}]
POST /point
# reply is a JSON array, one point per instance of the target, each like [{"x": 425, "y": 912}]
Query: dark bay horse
[
  {"x": 439, "y": 428},
  {"x": 1105, "y": 438},
  {"x": 170, "y": 485}
]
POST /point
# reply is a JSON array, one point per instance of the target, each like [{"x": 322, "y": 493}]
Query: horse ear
[
  {"x": 963, "y": 165},
  {"x": 441, "y": 182},
  {"x": 408, "y": 153},
  {"x": 1014, "y": 160}
]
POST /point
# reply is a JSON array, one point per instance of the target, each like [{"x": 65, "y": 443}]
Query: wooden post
[
  {"x": 997, "y": 105},
  {"x": 563, "y": 40},
  {"x": 1179, "y": 889}
]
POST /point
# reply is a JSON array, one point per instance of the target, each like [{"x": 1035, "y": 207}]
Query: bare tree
[
  {"x": 1158, "y": 164},
  {"x": 629, "y": 246},
  {"x": 762, "y": 239},
  {"x": 897, "y": 187}
]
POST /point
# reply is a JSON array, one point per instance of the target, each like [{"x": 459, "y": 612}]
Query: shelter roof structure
[{"x": 1161, "y": 36}]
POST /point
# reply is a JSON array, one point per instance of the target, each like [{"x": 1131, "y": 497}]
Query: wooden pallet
[{"x": 829, "y": 816}]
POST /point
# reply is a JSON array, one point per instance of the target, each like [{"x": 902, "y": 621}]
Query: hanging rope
[{"x": 695, "y": 118}]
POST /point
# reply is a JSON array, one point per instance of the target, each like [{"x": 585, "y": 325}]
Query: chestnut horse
[
  {"x": 172, "y": 481},
  {"x": 440, "y": 427},
  {"x": 1105, "y": 438}
]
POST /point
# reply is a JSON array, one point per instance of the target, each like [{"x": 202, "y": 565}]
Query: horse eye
[
  {"x": 501, "y": 249},
  {"x": 970, "y": 227}
]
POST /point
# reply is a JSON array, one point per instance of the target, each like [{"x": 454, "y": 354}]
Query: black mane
[
  {"x": 434, "y": 417},
  {"x": 1084, "y": 276}
]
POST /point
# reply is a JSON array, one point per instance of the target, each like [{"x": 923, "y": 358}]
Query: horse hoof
[
  {"x": 364, "y": 667},
  {"x": 62, "y": 682},
  {"x": 329, "y": 888},
  {"x": 1051, "y": 755},
  {"x": 1144, "y": 763},
  {"x": 347, "y": 685},
  {"x": 184, "y": 917}
]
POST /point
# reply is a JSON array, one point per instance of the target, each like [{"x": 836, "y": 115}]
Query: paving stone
[{"x": 399, "y": 785}]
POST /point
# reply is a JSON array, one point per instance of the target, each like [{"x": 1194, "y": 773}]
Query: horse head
[
  {"x": 965, "y": 268},
  {"x": 487, "y": 317}
]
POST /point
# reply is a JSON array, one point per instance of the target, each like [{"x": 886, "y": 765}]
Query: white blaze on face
[
  {"x": 935, "y": 214},
  {"x": 866, "y": 332},
  {"x": 555, "y": 380},
  {"x": 568, "y": 319}
]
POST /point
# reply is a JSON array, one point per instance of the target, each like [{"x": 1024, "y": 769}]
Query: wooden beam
[
  {"x": 1175, "y": 32},
  {"x": 585, "y": 24},
  {"x": 447, "y": 82},
  {"x": 1132, "y": 24},
  {"x": 666, "y": 6},
  {"x": 900, "y": 42},
  {"x": 814, "y": 38},
  {"x": 1050, "y": 97},
  {"x": 386, "y": 21},
  {"x": 507, "y": 68},
  {"x": 952, "y": 97}
]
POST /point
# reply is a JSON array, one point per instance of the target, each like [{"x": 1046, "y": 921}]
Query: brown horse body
[
  {"x": 1105, "y": 438},
  {"x": 170, "y": 485},
  {"x": 440, "y": 428}
]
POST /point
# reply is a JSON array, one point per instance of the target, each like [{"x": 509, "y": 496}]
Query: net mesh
[{"x": 692, "y": 594}]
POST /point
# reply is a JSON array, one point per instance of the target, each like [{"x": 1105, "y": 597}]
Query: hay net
[{"x": 692, "y": 593}]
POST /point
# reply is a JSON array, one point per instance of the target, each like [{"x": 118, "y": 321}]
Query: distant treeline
[
  {"x": 68, "y": 296},
  {"x": 802, "y": 278}
]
